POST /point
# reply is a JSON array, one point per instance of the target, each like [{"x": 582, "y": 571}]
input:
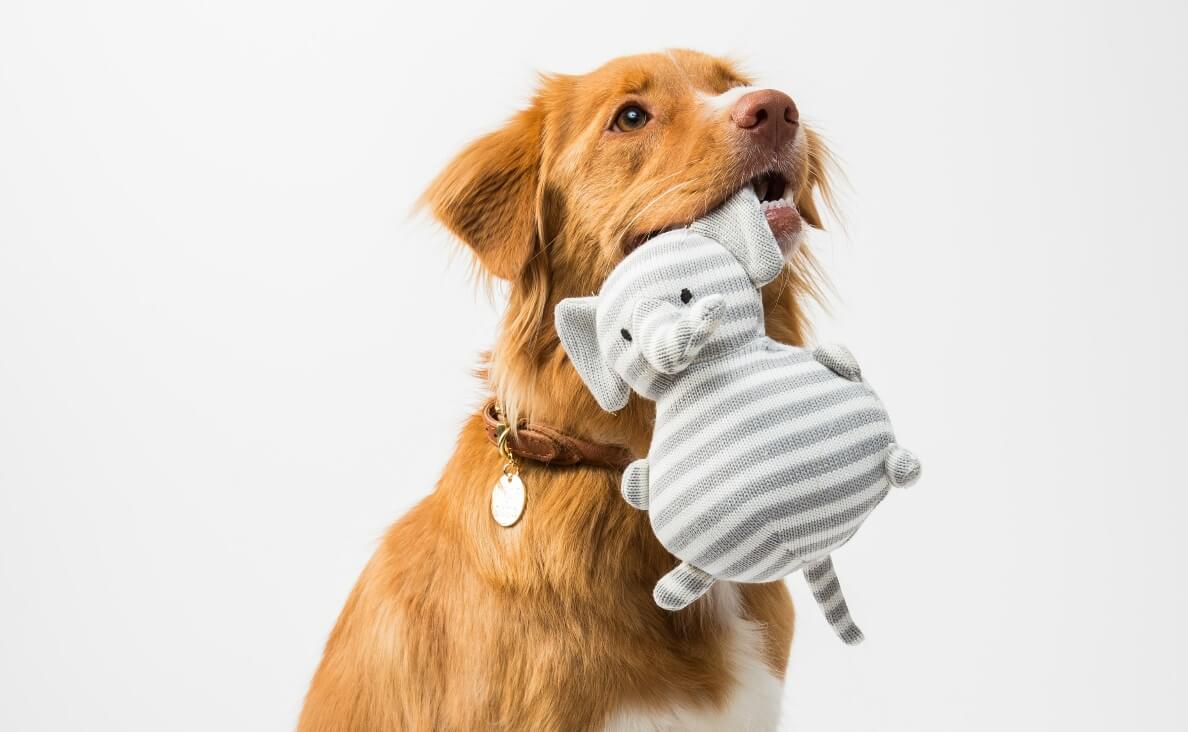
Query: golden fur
[{"x": 459, "y": 624}]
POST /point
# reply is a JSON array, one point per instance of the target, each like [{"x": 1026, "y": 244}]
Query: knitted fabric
[{"x": 765, "y": 458}]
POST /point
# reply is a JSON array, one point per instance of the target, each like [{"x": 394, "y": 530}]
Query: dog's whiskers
[{"x": 655, "y": 200}]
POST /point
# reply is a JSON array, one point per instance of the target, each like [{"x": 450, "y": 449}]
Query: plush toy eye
[
  {"x": 626, "y": 335},
  {"x": 686, "y": 296},
  {"x": 631, "y": 117}
]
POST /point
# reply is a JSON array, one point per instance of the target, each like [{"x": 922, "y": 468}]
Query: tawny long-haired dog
[{"x": 458, "y": 623}]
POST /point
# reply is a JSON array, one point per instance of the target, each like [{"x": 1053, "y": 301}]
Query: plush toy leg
[
  {"x": 827, "y": 590},
  {"x": 681, "y": 586},
  {"x": 903, "y": 467},
  {"x": 838, "y": 359},
  {"x": 635, "y": 484}
]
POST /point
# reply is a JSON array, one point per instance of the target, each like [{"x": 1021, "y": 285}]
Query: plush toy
[{"x": 765, "y": 458}]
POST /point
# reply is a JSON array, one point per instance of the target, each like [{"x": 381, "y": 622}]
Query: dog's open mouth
[
  {"x": 775, "y": 196},
  {"x": 776, "y": 199}
]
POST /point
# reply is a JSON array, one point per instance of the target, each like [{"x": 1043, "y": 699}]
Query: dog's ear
[
  {"x": 575, "y": 318},
  {"x": 816, "y": 180},
  {"x": 487, "y": 196}
]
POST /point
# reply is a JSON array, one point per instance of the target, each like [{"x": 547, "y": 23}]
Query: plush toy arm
[
  {"x": 838, "y": 359},
  {"x": 635, "y": 484},
  {"x": 903, "y": 467},
  {"x": 681, "y": 586}
]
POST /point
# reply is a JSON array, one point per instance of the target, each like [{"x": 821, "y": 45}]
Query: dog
[{"x": 461, "y": 623}]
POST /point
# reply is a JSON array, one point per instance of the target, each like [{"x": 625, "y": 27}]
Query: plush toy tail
[
  {"x": 681, "y": 586},
  {"x": 827, "y": 590}
]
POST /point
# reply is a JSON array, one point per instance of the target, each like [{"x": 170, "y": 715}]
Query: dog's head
[{"x": 600, "y": 162}]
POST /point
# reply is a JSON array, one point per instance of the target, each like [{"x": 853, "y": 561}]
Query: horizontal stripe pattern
[
  {"x": 763, "y": 469},
  {"x": 718, "y": 536},
  {"x": 763, "y": 460}
]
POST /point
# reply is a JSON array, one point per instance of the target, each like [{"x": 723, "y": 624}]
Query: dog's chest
[{"x": 754, "y": 699}]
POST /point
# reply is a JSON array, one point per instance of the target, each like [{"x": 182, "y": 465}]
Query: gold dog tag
[
  {"x": 507, "y": 499},
  {"x": 508, "y": 495}
]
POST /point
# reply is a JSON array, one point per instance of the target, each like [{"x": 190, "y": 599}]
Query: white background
[{"x": 229, "y": 358}]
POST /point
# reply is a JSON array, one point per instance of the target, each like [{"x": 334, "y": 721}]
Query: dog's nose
[{"x": 767, "y": 114}]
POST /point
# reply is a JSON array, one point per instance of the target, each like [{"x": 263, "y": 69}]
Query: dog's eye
[
  {"x": 631, "y": 117},
  {"x": 626, "y": 335},
  {"x": 686, "y": 296}
]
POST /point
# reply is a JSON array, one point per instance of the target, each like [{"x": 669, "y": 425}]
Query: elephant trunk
[{"x": 671, "y": 337}]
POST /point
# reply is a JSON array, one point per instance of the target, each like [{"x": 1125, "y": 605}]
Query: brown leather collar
[{"x": 544, "y": 444}]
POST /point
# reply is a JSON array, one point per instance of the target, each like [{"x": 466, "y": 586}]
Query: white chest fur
[{"x": 754, "y": 702}]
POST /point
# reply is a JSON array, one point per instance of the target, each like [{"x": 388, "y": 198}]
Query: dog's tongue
[{"x": 785, "y": 224}]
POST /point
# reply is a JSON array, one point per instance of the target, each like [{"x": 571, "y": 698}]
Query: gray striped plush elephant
[{"x": 765, "y": 458}]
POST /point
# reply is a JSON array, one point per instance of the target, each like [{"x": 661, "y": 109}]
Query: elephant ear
[
  {"x": 576, "y": 326},
  {"x": 740, "y": 225}
]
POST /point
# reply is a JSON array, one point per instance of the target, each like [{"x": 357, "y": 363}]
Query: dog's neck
[{"x": 543, "y": 388}]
